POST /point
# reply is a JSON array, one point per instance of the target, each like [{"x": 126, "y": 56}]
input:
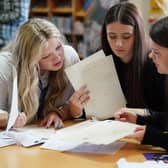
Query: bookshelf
[{"x": 68, "y": 15}]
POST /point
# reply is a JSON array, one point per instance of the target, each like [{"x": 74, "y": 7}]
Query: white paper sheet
[
  {"x": 26, "y": 139},
  {"x": 92, "y": 132},
  {"x": 122, "y": 163},
  {"x": 14, "y": 102},
  {"x": 74, "y": 72},
  {"x": 26, "y": 136},
  {"x": 5, "y": 140},
  {"x": 45, "y": 133},
  {"x": 100, "y": 76}
]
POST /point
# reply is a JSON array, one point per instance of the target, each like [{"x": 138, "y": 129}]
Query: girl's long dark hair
[{"x": 128, "y": 14}]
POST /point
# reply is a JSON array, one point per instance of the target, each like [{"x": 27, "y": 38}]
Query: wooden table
[{"x": 34, "y": 157}]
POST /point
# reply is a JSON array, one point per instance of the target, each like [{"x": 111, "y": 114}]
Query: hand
[
  {"x": 124, "y": 114},
  {"x": 52, "y": 118},
  {"x": 78, "y": 100},
  {"x": 21, "y": 120},
  {"x": 138, "y": 133}
]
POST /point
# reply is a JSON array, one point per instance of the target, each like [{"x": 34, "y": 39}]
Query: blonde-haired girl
[{"x": 40, "y": 56}]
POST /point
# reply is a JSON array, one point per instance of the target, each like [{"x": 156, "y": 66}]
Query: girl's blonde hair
[{"x": 26, "y": 49}]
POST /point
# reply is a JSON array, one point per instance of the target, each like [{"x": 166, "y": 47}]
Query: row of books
[{"x": 65, "y": 25}]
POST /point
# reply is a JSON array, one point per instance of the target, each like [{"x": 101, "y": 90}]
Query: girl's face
[
  {"x": 159, "y": 56},
  {"x": 52, "y": 57},
  {"x": 121, "y": 40}
]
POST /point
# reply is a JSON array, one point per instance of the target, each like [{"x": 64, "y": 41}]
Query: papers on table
[
  {"x": 89, "y": 132},
  {"x": 5, "y": 140},
  {"x": 99, "y": 74},
  {"x": 27, "y": 136},
  {"x": 122, "y": 163}
]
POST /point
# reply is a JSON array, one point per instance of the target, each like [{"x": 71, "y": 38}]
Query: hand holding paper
[
  {"x": 99, "y": 74},
  {"x": 78, "y": 100}
]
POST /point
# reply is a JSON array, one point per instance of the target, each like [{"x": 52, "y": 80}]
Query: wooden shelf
[
  {"x": 39, "y": 10},
  {"x": 80, "y": 13},
  {"x": 63, "y": 10},
  {"x": 62, "y": 13}
]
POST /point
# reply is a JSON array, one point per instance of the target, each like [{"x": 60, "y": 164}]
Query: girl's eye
[
  {"x": 58, "y": 47},
  {"x": 112, "y": 37},
  {"x": 126, "y": 37},
  {"x": 45, "y": 57}
]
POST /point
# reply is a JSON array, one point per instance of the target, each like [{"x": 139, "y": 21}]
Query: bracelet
[{"x": 60, "y": 111}]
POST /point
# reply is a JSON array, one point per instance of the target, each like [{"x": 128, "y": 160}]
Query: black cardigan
[{"x": 156, "y": 128}]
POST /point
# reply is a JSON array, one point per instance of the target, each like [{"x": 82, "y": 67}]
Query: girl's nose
[
  {"x": 150, "y": 54},
  {"x": 56, "y": 56},
  {"x": 119, "y": 42}
]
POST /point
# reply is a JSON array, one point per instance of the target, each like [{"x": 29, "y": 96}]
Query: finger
[
  {"x": 56, "y": 123},
  {"x": 85, "y": 102},
  {"x": 24, "y": 116},
  {"x": 17, "y": 123},
  {"x": 130, "y": 136},
  {"x": 44, "y": 121},
  {"x": 122, "y": 119},
  {"x": 82, "y": 91},
  {"x": 139, "y": 128},
  {"x": 84, "y": 97},
  {"x": 60, "y": 123},
  {"x": 49, "y": 122},
  {"x": 116, "y": 116}
]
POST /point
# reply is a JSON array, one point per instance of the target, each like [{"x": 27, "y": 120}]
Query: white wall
[{"x": 143, "y": 5}]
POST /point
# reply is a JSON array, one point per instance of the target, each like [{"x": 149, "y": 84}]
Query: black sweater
[
  {"x": 153, "y": 87},
  {"x": 154, "y": 95},
  {"x": 157, "y": 126}
]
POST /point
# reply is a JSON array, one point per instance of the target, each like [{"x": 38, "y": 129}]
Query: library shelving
[{"x": 68, "y": 15}]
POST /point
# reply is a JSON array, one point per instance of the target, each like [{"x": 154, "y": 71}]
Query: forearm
[
  {"x": 154, "y": 118},
  {"x": 3, "y": 119},
  {"x": 155, "y": 137}
]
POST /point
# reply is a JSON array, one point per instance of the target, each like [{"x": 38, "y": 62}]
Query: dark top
[
  {"x": 153, "y": 87},
  {"x": 156, "y": 129},
  {"x": 155, "y": 98}
]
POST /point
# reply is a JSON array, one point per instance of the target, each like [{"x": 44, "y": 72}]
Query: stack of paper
[{"x": 99, "y": 74}]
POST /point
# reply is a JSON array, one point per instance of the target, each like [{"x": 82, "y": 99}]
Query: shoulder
[
  {"x": 150, "y": 71},
  {"x": 70, "y": 55}
]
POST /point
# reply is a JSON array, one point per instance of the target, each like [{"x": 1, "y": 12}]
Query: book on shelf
[{"x": 87, "y": 4}]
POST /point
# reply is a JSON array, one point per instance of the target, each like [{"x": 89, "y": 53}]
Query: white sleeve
[
  {"x": 3, "y": 94},
  {"x": 5, "y": 81},
  {"x": 70, "y": 55}
]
